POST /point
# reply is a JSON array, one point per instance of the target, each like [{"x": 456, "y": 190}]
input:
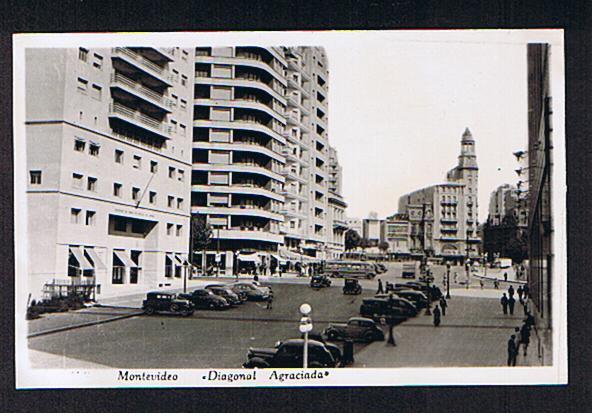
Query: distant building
[
  {"x": 443, "y": 218},
  {"x": 354, "y": 224},
  {"x": 398, "y": 235},
  {"x": 373, "y": 230}
]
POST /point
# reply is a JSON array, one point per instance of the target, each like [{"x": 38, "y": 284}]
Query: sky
[{"x": 398, "y": 106}]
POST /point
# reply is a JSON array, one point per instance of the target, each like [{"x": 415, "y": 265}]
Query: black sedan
[{"x": 205, "y": 299}]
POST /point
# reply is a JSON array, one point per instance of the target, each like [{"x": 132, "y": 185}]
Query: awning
[
  {"x": 95, "y": 258},
  {"x": 279, "y": 259},
  {"x": 253, "y": 258},
  {"x": 124, "y": 258},
  {"x": 170, "y": 257},
  {"x": 84, "y": 263},
  {"x": 181, "y": 259}
]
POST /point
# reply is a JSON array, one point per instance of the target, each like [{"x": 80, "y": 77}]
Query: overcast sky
[{"x": 398, "y": 108}]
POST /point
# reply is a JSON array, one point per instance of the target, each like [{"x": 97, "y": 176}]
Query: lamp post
[
  {"x": 448, "y": 280},
  {"x": 428, "y": 308},
  {"x": 305, "y": 328},
  {"x": 218, "y": 257}
]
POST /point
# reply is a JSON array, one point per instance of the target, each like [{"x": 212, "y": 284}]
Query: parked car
[
  {"x": 333, "y": 349},
  {"x": 231, "y": 297},
  {"x": 434, "y": 291},
  {"x": 381, "y": 267},
  {"x": 158, "y": 302},
  {"x": 320, "y": 281},
  {"x": 418, "y": 299},
  {"x": 352, "y": 287},
  {"x": 242, "y": 294},
  {"x": 377, "y": 308},
  {"x": 361, "y": 329},
  {"x": 289, "y": 354},
  {"x": 408, "y": 271},
  {"x": 254, "y": 292},
  {"x": 409, "y": 309},
  {"x": 206, "y": 299}
]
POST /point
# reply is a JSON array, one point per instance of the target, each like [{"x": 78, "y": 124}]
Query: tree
[
  {"x": 201, "y": 235},
  {"x": 352, "y": 240},
  {"x": 383, "y": 246}
]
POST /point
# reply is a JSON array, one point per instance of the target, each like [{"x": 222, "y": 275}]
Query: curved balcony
[
  {"x": 237, "y": 167},
  {"x": 143, "y": 64},
  {"x": 244, "y": 60},
  {"x": 239, "y": 189},
  {"x": 240, "y": 124},
  {"x": 138, "y": 119},
  {"x": 292, "y": 214},
  {"x": 240, "y": 82},
  {"x": 292, "y": 195},
  {"x": 287, "y": 153},
  {"x": 242, "y": 211},
  {"x": 248, "y": 104},
  {"x": 242, "y": 147},
  {"x": 236, "y": 233},
  {"x": 139, "y": 91},
  {"x": 448, "y": 220},
  {"x": 292, "y": 176}
]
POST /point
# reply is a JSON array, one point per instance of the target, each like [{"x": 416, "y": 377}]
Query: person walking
[
  {"x": 505, "y": 277},
  {"x": 511, "y": 303},
  {"x": 391, "y": 335},
  {"x": 269, "y": 302},
  {"x": 525, "y": 336},
  {"x": 520, "y": 291},
  {"x": 504, "y": 303},
  {"x": 436, "y": 314},
  {"x": 443, "y": 305},
  {"x": 380, "y": 288},
  {"x": 481, "y": 283},
  {"x": 529, "y": 320},
  {"x": 512, "y": 351},
  {"x": 511, "y": 291},
  {"x": 496, "y": 284},
  {"x": 455, "y": 277},
  {"x": 525, "y": 290}
]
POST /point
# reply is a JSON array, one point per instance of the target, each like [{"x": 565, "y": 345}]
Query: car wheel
[
  {"x": 211, "y": 306},
  {"x": 174, "y": 308},
  {"x": 149, "y": 311}
]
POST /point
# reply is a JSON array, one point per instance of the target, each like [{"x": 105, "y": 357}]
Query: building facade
[
  {"x": 398, "y": 235},
  {"x": 443, "y": 218},
  {"x": 263, "y": 175},
  {"x": 109, "y": 135}
]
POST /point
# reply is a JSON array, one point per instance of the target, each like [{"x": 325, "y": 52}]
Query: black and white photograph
[{"x": 331, "y": 208}]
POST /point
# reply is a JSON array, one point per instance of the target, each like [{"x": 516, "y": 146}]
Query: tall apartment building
[
  {"x": 108, "y": 136},
  {"x": 397, "y": 235},
  {"x": 261, "y": 157},
  {"x": 443, "y": 218}
]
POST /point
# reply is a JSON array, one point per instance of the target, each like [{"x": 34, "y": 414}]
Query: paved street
[{"x": 474, "y": 332}]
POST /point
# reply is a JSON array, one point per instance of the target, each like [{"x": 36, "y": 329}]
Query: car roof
[
  {"x": 299, "y": 341},
  {"x": 160, "y": 293},
  {"x": 358, "y": 318}
]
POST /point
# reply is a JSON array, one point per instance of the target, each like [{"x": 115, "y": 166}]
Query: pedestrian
[
  {"x": 280, "y": 270},
  {"x": 506, "y": 277},
  {"x": 520, "y": 291},
  {"x": 455, "y": 277},
  {"x": 504, "y": 303},
  {"x": 436, "y": 316},
  {"x": 529, "y": 320},
  {"x": 481, "y": 283},
  {"x": 443, "y": 305},
  {"x": 380, "y": 289},
  {"x": 525, "y": 290},
  {"x": 511, "y": 291},
  {"x": 512, "y": 351},
  {"x": 391, "y": 336},
  {"x": 525, "y": 306},
  {"x": 525, "y": 336},
  {"x": 269, "y": 302},
  {"x": 511, "y": 303},
  {"x": 496, "y": 284}
]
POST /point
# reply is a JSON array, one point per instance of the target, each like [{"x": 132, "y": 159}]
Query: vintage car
[
  {"x": 379, "y": 308},
  {"x": 254, "y": 292},
  {"x": 159, "y": 302},
  {"x": 408, "y": 271},
  {"x": 242, "y": 294},
  {"x": 231, "y": 297},
  {"x": 357, "y": 329},
  {"x": 205, "y": 299},
  {"x": 407, "y": 307},
  {"x": 289, "y": 354},
  {"x": 416, "y": 297},
  {"x": 352, "y": 287},
  {"x": 320, "y": 281}
]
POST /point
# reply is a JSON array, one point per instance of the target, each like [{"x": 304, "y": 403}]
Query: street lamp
[
  {"x": 448, "y": 280},
  {"x": 305, "y": 328},
  {"x": 428, "y": 308}
]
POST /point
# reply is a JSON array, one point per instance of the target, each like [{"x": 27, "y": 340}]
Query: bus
[{"x": 350, "y": 268}]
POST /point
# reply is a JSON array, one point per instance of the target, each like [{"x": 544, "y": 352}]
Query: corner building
[
  {"x": 261, "y": 157},
  {"x": 108, "y": 136}
]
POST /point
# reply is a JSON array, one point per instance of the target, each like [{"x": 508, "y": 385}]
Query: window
[
  {"x": 152, "y": 197},
  {"x": 179, "y": 203},
  {"x": 117, "y": 190},
  {"x": 179, "y": 228},
  {"x": 183, "y": 104},
  {"x": 171, "y": 201},
  {"x": 184, "y": 55},
  {"x": 35, "y": 177},
  {"x": 79, "y": 145},
  {"x": 183, "y": 129},
  {"x": 118, "y": 156},
  {"x": 171, "y": 172},
  {"x": 91, "y": 184},
  {"x": 153, "y": 166},
  {"x": 174, "y": 100},
  {"x": 77, "y": 180},
  {"x": 135, "y": 194},
  {"x": 82, "y": 54},
  {"x": 169, "y": 229},
  {"x": 174, "y": 125},
  {"x": 74, "y": 215},
  {"x": 97, "y": 61},
  {"x": 93, "y": 149},
  {"x": 137, "y": 162},
  {"x": 96, "y": 92},
  {"x": 90, "y": 218},
  {"x": 184, "y": 80},
  {"x": 175, "y": 75},
  {"x": 181, "y": 176},
  {"x": 82, "y": 84}
]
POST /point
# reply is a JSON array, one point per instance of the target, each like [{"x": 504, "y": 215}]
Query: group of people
[
  {"x": 508, "y": 302},
  {"x": 521, "y": 336}
]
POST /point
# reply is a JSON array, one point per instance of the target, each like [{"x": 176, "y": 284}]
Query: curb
[
  {"x": 500, "y": 280},
  {"x": 82, "y": 325}
]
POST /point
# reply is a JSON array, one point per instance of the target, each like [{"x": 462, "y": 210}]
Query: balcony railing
[
  {"x": 146, "y": 63},
  {"x": 140, "y": 118},
  {"x": 117, "y": 78}
]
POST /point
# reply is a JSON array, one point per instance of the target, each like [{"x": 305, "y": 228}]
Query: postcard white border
[{"x": 28, "y": 378}]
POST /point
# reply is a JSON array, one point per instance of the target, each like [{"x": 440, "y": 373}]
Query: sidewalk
[{"x": 474, "y": 332}]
